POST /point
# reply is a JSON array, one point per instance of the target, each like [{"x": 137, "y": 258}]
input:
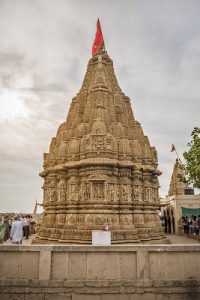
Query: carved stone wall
[{"x": 101, "y": 168}]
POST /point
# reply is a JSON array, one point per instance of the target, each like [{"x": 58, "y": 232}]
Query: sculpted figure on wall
[
  {"x": 147, "y": 194},
  {"x": 137, "y": 193},
  {"x": 60, "y": 220},
  {"x": 112, "y": 193},
  {"x": 61, "y": 191},
  {"x": 53, "y": 195},
  {"x": 138, "y": 218}
]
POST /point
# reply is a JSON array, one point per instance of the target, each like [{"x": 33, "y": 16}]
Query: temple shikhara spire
[
  {"x": 177, "y": 185},
  {"x": 101, "y": 169}
]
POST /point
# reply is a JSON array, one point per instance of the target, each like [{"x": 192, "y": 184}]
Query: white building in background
[{"x": 180, "y": 202}]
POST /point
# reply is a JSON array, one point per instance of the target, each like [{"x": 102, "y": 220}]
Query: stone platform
[{"x": 125, "y": 272}]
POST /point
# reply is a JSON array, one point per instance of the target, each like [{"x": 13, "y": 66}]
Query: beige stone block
[
  {"x": 159, "y": 297},
  {"x": 131, "y": 290},
  {"x": 30, "y": 265},
  {"x": 114, "y": 297},
  {"x": 45, "y": 264},
  {"x": 191, "y": 263},
  {"x": 144, "y": 296},
  {"x": 99, "y": 290},
  {"x": 34, "y": 290},
  {"x": 20, "y": 263},
  {"x": 74, "y": 283},
  {"x": 53, "y": 290},
  {"x": 128, "y": 265},
  {"x": 177, "y": 297},
  {"x": 102, "y": 265},
  {"x": 59, "y": 268},
  {"x": 15, "y": 282},
  {"x": 163, "y": 283},
  {"x": 56, "y": 283},
  {"x": 44, "y": 283},
  {"x": 98, "y": 283},
  {"x": 162, "y": 290},
  {"x": 34, "y": 282},
  {"x": 58, "y": 297},
  {"x": 34, "y": 297},
  {"x": 85, "y": 297},
  {"x": 13, "y": 290},
  {"x": 142, "y": 264},
  {"x": 11, "y": 297},
  {"x": 174, "y": 265},
  {"x": 186, "y": 289},
  {"x": 77, "y": 265}
]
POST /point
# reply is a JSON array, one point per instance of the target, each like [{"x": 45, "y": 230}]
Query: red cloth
[{"x": 98, "y": 40}]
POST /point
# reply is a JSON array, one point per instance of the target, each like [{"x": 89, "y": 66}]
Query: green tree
[{"x": 192, "y": 157}]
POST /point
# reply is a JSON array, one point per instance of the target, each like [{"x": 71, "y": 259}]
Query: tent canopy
[{"x": 189, "y": 212}]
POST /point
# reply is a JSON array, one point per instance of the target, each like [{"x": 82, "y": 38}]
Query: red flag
[
  {"x": 173, "y": 148},
  {"x": 98, "y": 42}
]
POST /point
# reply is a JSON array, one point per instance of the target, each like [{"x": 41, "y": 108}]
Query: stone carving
[
  {"x": 52, "y": 196},
  {"x": 138, "y": 218},
  {"x": 101, "y": 168},
  {"x": 112, "y": 193},
  {"x": 61, "y": 192},
  {"x": 84, "y": 192},
  {"x": 137, "y": 193},
  {"x": 147, "y": 194},
  {"x": 98, "y": 188},
  {"x": 126, "y": 219}
]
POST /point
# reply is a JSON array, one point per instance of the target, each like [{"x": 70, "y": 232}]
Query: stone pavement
[
  {"x": 181, "y": 239},
  {"x": 24, "y": 241}
]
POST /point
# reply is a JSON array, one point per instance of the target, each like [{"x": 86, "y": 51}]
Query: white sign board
[{"x": 101, "y": 238}]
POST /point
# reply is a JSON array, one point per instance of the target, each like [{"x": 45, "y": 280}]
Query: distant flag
[
  {"x": 99, "y": 41},
  {"x": 173, "y": 148}
]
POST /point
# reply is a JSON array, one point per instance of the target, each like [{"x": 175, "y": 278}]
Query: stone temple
[{"x": 100, "y": 169}]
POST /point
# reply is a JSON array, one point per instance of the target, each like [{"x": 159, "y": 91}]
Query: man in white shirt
[
  {"x": 16, "y": 233},
  {"x": 26, "y": 223}
]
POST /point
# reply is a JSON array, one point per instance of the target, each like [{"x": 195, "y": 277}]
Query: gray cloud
[{"x": 44, "y": 50}]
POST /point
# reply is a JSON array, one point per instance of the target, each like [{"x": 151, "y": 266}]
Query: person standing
[
  {"x": 2, "y": 233},
  {"x": 16, "y": 233},
  {"x": 23, "y": 220},
  {"x": 26, "y": 223},
  {"x": 7, "y": 228}
]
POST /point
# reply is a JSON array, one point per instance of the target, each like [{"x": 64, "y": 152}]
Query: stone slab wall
[{"x": 100, "y": 273}]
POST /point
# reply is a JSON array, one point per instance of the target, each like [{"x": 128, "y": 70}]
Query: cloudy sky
[{"x": 45, "y": 46}]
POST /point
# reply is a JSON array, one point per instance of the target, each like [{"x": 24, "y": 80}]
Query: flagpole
[
  {"x": 181, "y": 164},
  {"x": 178, "y": 157}
]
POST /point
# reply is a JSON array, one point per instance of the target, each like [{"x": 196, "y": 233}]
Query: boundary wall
[{"x": 124, "y": 272}]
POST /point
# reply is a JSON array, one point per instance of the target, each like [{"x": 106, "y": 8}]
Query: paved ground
[
  {"x": 180, "y": 239},
  {"x": 174, "y": 239},
  {"x": 24, "y": 242}
]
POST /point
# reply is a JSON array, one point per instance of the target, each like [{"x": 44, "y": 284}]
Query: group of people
[
  {"x": 16, "y": 229},
  {"x": 191, "y": 226}
]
